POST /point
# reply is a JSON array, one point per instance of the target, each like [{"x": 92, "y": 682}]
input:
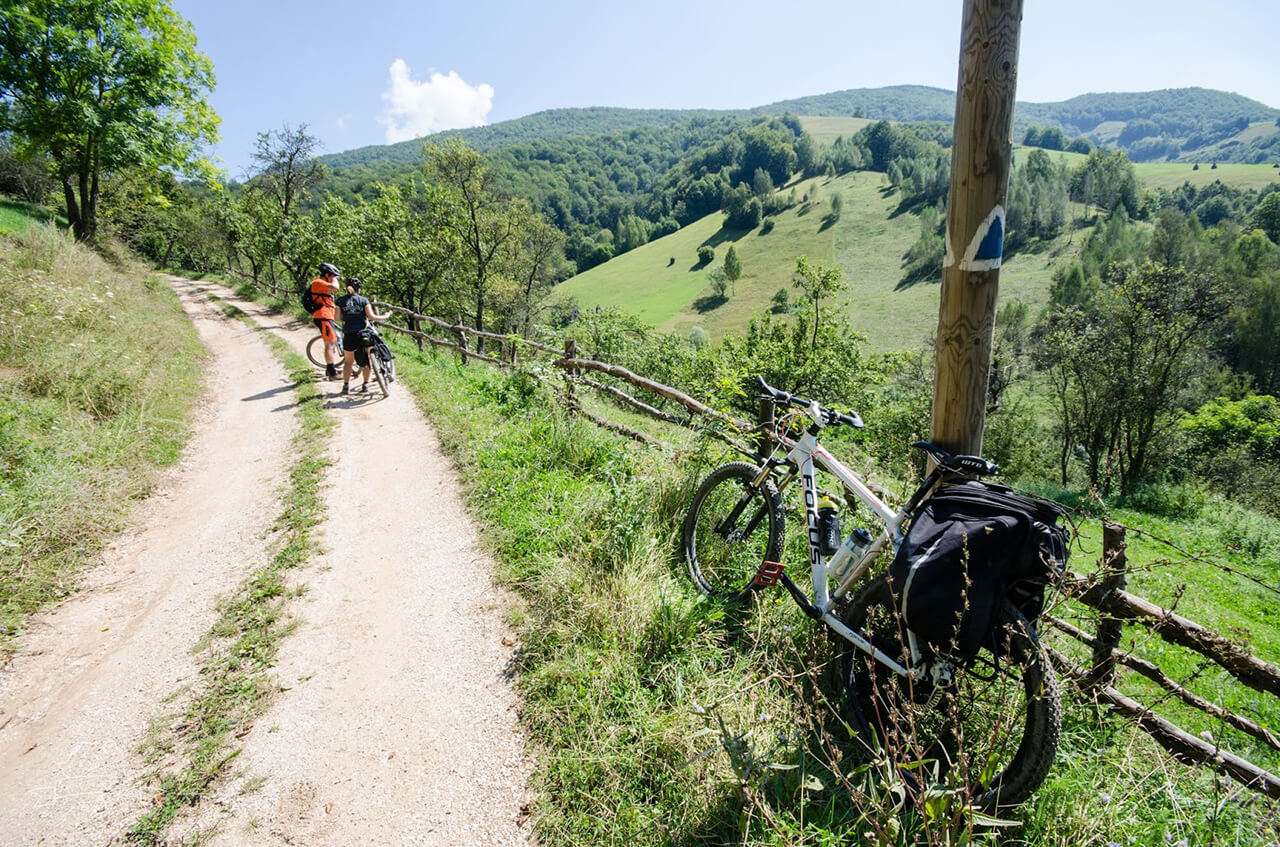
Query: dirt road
[{"x": 396, "y": 723}]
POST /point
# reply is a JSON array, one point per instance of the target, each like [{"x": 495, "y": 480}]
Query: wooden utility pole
[{"x": 980, "y": 158}]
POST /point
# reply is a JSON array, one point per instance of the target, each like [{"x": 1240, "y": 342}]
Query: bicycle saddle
[{"x": 957, "y": 462}]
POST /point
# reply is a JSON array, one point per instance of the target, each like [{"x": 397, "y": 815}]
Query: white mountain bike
[{"x": 995, "y": 717}]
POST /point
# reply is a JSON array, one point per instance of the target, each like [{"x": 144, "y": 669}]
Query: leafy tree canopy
[{"x": 102, "y": 85}]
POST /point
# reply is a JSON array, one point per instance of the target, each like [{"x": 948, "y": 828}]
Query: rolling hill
[{"x": 867, "y": 243}]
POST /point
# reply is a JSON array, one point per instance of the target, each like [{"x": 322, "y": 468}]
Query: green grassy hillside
[
  {"x": 101, "y": 368},
  {"x": 16, "y": 217},
  {"x": 1172, "y": 174},
  {"x": 867, "y": 243},
  {"x": 826, "y": 129}
]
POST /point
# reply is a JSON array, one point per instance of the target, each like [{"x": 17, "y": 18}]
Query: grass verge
[
  {"x": 191, "y": 750},
  {"x": 663, "y": 718},
  {"x": 99, "y": 369}
]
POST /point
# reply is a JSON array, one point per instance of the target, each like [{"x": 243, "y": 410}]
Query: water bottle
[
  {"x": 848, "y": 555},
  {"x": 828, "y": 525}
]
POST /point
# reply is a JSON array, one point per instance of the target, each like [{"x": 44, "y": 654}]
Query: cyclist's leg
[
  {"x": 348, "y": 358},
  {"x": 329, "y": 339},
  {"x": 332, "y": 349},
  {"x": 362, "y": 359}
]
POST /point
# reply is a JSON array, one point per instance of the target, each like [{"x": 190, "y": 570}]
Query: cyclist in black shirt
[{"x": 356, "y": 312}]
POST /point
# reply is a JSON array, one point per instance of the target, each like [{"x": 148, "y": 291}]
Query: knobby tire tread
[
  {"x": 720, "y": 567},
  {"x": 1041, "y": 720}
]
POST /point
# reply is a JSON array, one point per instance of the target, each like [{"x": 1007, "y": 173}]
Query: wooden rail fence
[{"x": 1103, "y": 592}]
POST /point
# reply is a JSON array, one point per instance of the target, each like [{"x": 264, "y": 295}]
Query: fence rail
[{"x": 1103, "y": 592}]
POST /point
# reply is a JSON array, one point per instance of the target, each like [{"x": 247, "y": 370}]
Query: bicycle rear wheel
[
  {"x": 376, "y": 366},
  {"x": 997, "y": 722},
  {"x": 315, "y": 351},
  {"x": 730, "y": 529}
]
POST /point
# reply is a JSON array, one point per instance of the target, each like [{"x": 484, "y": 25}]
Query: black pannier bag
[{"x": 971, "y": 544}]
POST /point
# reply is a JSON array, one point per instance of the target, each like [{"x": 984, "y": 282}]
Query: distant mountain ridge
[{"x": 1168, "y": 123}]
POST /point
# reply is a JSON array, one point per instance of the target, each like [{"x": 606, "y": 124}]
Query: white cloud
[{"x": 415, "y": 108}]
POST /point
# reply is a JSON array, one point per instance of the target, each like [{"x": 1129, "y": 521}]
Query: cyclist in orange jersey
[{"x": 322, "y": 291}]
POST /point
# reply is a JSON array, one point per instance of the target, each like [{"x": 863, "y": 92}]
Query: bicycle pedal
[{"x": 767, "y": 574}]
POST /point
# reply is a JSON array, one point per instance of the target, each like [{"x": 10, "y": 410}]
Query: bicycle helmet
[
  {"x": 326, "y": 268},
  {"x": 353, "y": 282}
]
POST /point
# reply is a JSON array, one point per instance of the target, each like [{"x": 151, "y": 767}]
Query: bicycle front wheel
[
  {"x": 731, "y": 528},
  {"x": 376, "y": 367},
  {"x": 996, "y": 724},
  {"x": 315, "y": 351}
]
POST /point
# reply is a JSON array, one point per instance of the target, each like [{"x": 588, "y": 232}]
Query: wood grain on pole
[{"x": 980, "y": 160}]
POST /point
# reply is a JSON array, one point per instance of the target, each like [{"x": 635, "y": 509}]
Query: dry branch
[
  {"x": 1159, "y": 677},
  {"x": 622, "y": 396},
  {"x": 461, "y": 327},
  {"x": 620, "y": 429},
  {"x": 649, "y": 385},
  {"x": 1175, "y": 629},
  {"x": 1183, "y": 745},
  {"x": 440, "y": 342}
]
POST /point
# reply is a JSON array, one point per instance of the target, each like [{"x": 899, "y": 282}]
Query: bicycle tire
[
  {"x": 376, "y": 367},
  {"x": 723, "y": 560},
  {"x": 314, "y": 346},
  {"x": 1009, "y": 723}
]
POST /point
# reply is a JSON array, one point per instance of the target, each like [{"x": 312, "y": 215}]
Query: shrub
[
  {"x": 706, "y": 254},
  {"x": 1169, "y": 500}
]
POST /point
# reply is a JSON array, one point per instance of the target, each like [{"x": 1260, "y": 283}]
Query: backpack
[
  {"x": 971, "y": 545},
  {"x": 311, "y": 302}
]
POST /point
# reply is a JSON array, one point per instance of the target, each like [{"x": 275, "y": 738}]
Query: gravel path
[{"x": 397, "y": 722}]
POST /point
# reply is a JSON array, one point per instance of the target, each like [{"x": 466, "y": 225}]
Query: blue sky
[{"x": 376, "y": 71}]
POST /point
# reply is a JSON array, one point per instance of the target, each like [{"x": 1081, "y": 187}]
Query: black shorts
[{"x": 354, "y": 342}]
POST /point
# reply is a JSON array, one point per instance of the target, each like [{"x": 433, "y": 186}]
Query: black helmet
[
  {"x": 326, "y": 268},
  {"x": 353, "y": 282}
]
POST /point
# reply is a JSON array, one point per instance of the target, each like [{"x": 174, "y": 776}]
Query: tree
[
  {"x": 101, "y": 86},
  {"x": 285, "y": 172},
  {"x": 706, "y": 254},
  {"x": 837, "y": 206},
  {"x": 487, "y": 224},
  {"x": 1107, "y": 180},
  {"x": 1122, "y": 372},
  {"x": 718, "y": 280},
  {"x": 732, "y": 267},
  {"x": 1266, "y": 216},
  {"x": 1255, "y": 330},
  {"x": 817, "y": 282},
  {"x": 761, "y": 183},
  {"x": 25, "y": 177},
  {"x": 399, "y": 243}
]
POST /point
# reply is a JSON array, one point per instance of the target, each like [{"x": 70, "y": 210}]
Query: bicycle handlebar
[{"x": 829, "y": 417}]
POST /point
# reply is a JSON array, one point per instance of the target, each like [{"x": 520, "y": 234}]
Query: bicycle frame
[{"x": 803, "y": 455}]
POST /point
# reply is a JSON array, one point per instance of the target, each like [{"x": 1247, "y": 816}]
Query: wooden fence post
[
  {"x": 765, "y": 418},
  {"x": 570, "y": 352},
  {"x": 462, "y": 340},
  {"x": 1110, "y": 628}
]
